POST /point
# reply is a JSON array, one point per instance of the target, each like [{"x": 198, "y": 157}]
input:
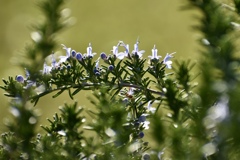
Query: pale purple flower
[
  {"x": 136, "y": 50},
  {"x": 46, "y": 69},
  {"x": 143, "y": 120},
  {"x": 126, "y": 46},
  {"x": 160, "y": 154},
  {"x": 21, "y": 79},
  {"x": 146, "y": 124},
  {"x": 97, "y": 63},
  {"x": 150, "y": 108},
  {"x": 217, "y": 113},
  {"x": 167, "y": 60},
  {"x": 120, "y": 55},
  {"x": 68, "y": 54},
  {"x": 54, "y": 63},
  {"x": 40, "y": 89},
  {"x": 96, "y": 68},
  {"x": 130, "y": 92},
  {"x": 27, "y": 73},
  {"x": 221, "y": 110},
  {"x": 89, "y": 51},
  {"x": 30, "y": 83},
  {"x": 154, "y": 54},
  {"x": 115, "y": 50}
]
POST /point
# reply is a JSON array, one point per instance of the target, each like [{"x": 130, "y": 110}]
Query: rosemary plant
[{"x": 144, "y": 108}]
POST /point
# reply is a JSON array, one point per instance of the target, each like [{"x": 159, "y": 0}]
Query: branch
[{"x": 83, "y": 85}]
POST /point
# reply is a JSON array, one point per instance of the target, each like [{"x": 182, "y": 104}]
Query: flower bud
[
  {"x": 142, "y": 118},
  {"x": 73, "y": 53},
  {"x": 125, "y": 101},
  {"x": 79, "y": 56},
  {"x": 68, "y": 66},
  {"x": 97, "y": 73},
  {"x": 146, "y": 157},
  {"x": 20, "y": 78},
  {"x": 136, "y": 124},
  {"x": 111, "y": 67},
  {"x": 103, "y": 56},
  {"x": 141, "y": 135}
]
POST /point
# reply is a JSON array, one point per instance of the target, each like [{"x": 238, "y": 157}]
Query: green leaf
[
  {"x": 58, "y": 93},
  {"x": 70, "y": 94},
  {"x": 4, "y": 81},
  {"x": 76, "y": 91},
  {"x": 36, "y": 101}
]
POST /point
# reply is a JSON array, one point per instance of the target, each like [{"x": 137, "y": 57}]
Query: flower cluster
[
  {"x": 109, "y": 59},
  {"x": 123, "y": 73},
  {"x": 70, "y": 53}
]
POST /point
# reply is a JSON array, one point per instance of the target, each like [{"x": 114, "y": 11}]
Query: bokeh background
[{"x": 103, "y": 23}]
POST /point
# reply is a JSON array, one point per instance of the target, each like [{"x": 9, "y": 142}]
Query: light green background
[{"x": 103, "y": 23}]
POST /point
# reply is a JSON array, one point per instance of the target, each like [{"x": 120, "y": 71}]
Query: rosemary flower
[{"x": 167, "y": 60}]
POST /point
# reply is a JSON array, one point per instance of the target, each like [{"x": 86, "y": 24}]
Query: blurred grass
[{"x": 103, "y": 23}]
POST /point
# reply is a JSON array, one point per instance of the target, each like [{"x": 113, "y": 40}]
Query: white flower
[
  {"x": 146, "y": 124},
  {"x": 160, "y": 154},
  {"x": 40, "y": 89},
  {"x": 136, "y": 50},
  {"x": 150, "y": 108},
  {"x": 130, "y": 92},
  {"x": 54, "y": 63},
  {"x": 110, "y": 132},
  {"x": 30, "y": 84},
  {"x": 120, "y": 55},
  {"x": 115, "y": 50},
  {"x": 219, "y": 111},
  {"x": 143, "y": 120},
  {"x": 46, "y": 69},
  {"x": 89, "y": 51},
  {"x": 167, "y": 60},
  {"x": 68, "y": 53},
  {"x": 126, "y": 46},
  {"x": 27, "y": 73},
  {"x": 97, "y": 63},
  {"x": 96, "y": 68},
  {"x": 154, "y": 54},
  {"x": 62, "y": 133}
]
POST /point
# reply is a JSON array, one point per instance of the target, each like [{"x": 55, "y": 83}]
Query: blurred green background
[{"x": 103, "y": 23}]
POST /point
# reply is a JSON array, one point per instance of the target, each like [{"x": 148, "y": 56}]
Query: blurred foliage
[
  {"x": 184, "y": 123},
  {"x": 93, "y": 23}
]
